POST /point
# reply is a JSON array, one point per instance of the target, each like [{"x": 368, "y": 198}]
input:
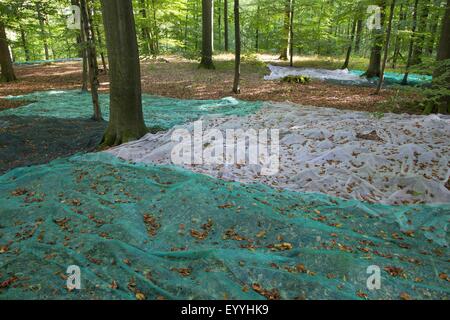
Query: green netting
[
  {"x": 159, "y": 112},
  {"x": 397, "y": 78},
  {"x": 169, "y": 233}
]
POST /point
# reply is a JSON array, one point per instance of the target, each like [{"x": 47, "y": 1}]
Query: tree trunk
[
  {"x": 7, "y": 73},
  {"x": 359, "y": 29},
  {"x": 374, "y": 69},
  {"x": 225, "y": 24},
  {"x": 85, "y": 76},
  {"x": 285, "y": 37},
  {"x": 386, "y": 47},
  {"x": 397, "y": 38},
  {"x": 126, "y": 120},
  {"x": 349, "y": 49},
  {"x": 421, "y": 30},
  {"x": 91, "y": 59},
  {"x": 441, "y": 75},
  {"x": 258, "y": 9},
  {"x": 219, "y": 23},
  {"x": 237, "y": 59},
  {"x": 42, "y": 27},
  {"x": 24, "y": 44},
  {"x": 291, "y": 34},
  {"x": 207, "y": 34},
  {"x": 411, "y": 43}
]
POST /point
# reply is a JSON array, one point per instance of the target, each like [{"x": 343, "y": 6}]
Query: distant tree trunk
[
  {"x": 411, "y": 43},
  {"x": 386, "y": 47},
  {"x": 433, "y": 30},
  {"x": 91, "y": 59},
  {"x": 42, "y": 27},
  {"x": 421, "y": 30},
  {"x": 219, "y": 23},
  {"x": 84, "y": 76},
  {"x": 286, "y": 28},
  {"x": 7, "y": 73},
  {"x": 397, "y": 38},
  {"x": 441, "y": 75},
  {"x": 102, "y": 54},
  {"x": 154, "y": 34},
  {"x": 291, "y": 35},
  {"x": 237, "y": 59},
  {"x": 24, "y": 44},
  {"x": 359, "y": 28},
  {"x": 349, "y": 49},
  {"x": 258, "y": 9},
  {"x": 207, "y": 34},
  {"x": 126, "y": 121},
  {"x": 145, "y": 31},
  {"x": 225, "y": 24},
  {"x": 374, "y": 69}
]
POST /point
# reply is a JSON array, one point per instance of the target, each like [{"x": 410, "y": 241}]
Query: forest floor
[{"x": 173, "y": 76}]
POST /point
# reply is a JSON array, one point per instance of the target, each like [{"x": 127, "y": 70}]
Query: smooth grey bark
[
  {"x": 7, "y": 72},
  {"x": 284, "y": 51},
  {"x": 207, "y": 34},
  {"x": 23, "y": 38},
  {"x": 126, "y": 120}
]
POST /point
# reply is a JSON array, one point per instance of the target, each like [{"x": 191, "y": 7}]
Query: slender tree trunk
[
  {"x": 291, "y": 34},
  {"x": 155, "y": 32},
  {"x": 374, "y": 69},
  {"x": 6, "y": 64},
  {"x": 411, "y": 43},
  {"x": 91, "y": 59},
  {"x": 359, "y": 30},
  {"x": 258, "y": 9},
  {"x": 421, "y": 30},
  {"x": 225, "y": 24},
  {"x": 386, "y": 47},
  {"x": 397, "y": 38},
  {"x": 102, "y": 54},
  {"x": 42, "y": 27},
  {"x": 126, "y": 121},
  {"x": 349, "y": 49},
  {"x": 219, "y": 23},
  {"x": 286, "y": 31},
  {"x": 85, "y": 76},
  {"x": 24, "y": 44},
  {"x": 207, "y": 34},
  {"x": 433, "y": 30},
  {"x": 237, "y": 59},
  {"x": 441, "y": 75}
]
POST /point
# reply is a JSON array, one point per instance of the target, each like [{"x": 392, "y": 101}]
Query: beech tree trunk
[
  {"x": 286, "y": 31},
  {"x": 441, "y": 75},
  {"x": 374, "y": 69},
  {"x": 225, "y": 24},
  {"x": 207, "y": 34},
  {"x": 349, "y": 49},
  {"x": 7, "y": 73},
  {"x": 23, "y": 38},
  {"x": 386, "y": 47},
  {"x": 411, "y": 43},
  {"x": 126, "y": 120},
  {"x": 91, "y": 58},
  {"x": 237, "y": 59},
  {"x": 42, "y": 27}
]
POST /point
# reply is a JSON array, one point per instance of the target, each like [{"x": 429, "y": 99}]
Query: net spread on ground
[{"x": 142, "y": 226}]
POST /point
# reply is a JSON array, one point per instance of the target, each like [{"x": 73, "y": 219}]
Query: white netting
[
  {"x": 395, "y": 159},
  {"x": 277, "y": 72}
]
